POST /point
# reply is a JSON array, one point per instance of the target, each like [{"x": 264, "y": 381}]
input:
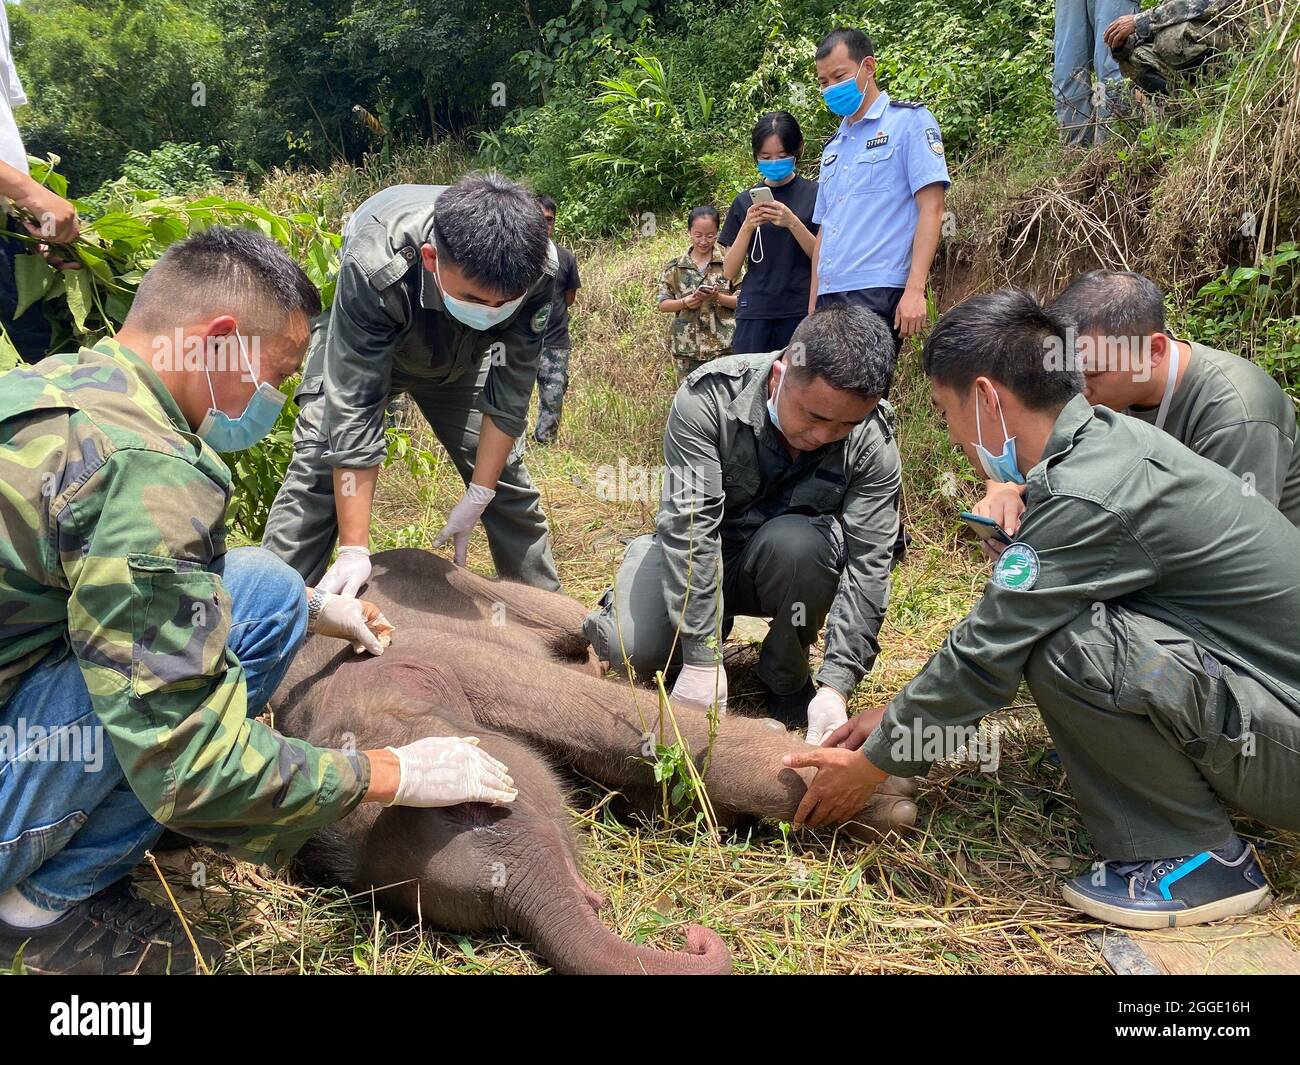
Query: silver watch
[{"x": 315, "y": 602}]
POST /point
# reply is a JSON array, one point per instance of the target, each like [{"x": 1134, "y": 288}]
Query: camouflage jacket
[
  {"x": 706, "y": 332},
  {"x": 111, "y": 512},
  {"x": 1173, "y": 12}
]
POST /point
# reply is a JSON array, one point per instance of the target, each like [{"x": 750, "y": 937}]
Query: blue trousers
[
  {"x": 1081, "y": 108},
  {"x": 69, "y": 823}
]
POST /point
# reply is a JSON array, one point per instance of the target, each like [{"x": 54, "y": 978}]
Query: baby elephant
[{"x": 508, "y": 663}]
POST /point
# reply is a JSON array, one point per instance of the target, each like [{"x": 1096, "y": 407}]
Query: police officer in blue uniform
[{"x": 881, "y": 191}]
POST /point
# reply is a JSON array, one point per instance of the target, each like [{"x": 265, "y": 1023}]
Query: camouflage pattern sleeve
[
  {"x": 148, "y": 622},
  {"x": 668, "y": 288},
  {"x": 1171, "y": 13}
]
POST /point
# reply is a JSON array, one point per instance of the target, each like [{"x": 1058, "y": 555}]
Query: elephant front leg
[{"x": 609, "y": 730}]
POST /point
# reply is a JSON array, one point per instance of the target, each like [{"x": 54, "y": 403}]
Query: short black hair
[
  {"x": 705, "y": 211},
  {"x": 784, "y": 126},
  {"x": 492, "y": 229},
  {"x": 222, "y": 270},
  {"x": 1009, "y": 336},
  {"x": 849, "y": 347},
  {"x": 546, "y": 203},
  {"x": 857, "y": 42},
  {"x": 1116, "y": 303}
]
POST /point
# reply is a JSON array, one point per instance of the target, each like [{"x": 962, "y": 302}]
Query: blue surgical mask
[
  {"x": 776, "y": 169},
  {"x": 1002, "y": 467},
  {"x": 772, "y": 401},
  {"x": 476, "y": 315},
  {"x": 844, "y": 97},
  {"x": 225, "y": 434}
]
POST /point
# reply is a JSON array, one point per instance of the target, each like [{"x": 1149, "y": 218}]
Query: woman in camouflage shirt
[{"x": 695, "y": 291}]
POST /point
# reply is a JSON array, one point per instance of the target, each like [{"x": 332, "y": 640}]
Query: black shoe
[
  {"x": 791, "y": 710},
  {"x": 113, "y": 933}
]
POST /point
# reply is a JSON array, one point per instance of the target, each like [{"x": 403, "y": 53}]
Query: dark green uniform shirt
[
  {"x": 727, "y": 473},
  {"x": 111, "y": 512},
  {"x": 388, "y": 315},
  {"x": 1116, "y": 511},
  {"x": 1232, "y": 412}
]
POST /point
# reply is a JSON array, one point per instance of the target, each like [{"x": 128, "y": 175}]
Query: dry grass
[
  {"x": 973, "y": 890},
  {"x": 1170, "y": 192}
]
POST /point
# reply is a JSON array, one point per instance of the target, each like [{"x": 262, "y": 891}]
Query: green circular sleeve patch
[
  {"x": 540, "y": 318},
  {"x": 1017, "y": 568}
]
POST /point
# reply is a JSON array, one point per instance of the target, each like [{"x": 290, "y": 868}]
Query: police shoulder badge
[
  {"x": 1017, "y": 568},
  {"x": 541, "y": 318},
  {"x": 935, "y": 140}
]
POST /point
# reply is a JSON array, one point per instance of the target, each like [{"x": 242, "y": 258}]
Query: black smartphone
[{"x": 985, "y": 528}]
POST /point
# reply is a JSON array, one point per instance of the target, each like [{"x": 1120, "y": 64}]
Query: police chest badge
[
  {"x": 935, "y": 141},
  {"x": 540, "y": 319},
  {"x": 1017, "y": 568}
]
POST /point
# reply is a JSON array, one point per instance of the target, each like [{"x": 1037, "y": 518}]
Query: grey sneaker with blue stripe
[{"x": 1172, "y": 892}]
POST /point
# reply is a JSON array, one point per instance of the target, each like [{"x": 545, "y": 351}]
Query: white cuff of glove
[{"x": 827, "y": 711}]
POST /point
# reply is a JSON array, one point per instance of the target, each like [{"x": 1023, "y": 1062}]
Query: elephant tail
[{"x": 559, "y": 917}]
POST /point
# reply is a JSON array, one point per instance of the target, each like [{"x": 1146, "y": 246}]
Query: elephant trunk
[{"x": 558, "y": 916}]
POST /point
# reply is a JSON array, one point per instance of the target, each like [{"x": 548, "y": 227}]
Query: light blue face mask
[
  {"x": 844, "y": 97},
  {"x": 476, "y": 315},
  {"x": 225, "y": 434},
  {"x": 776, "y": 169},
  {"x": 1002, "y": 467},
  {"x": 772, "y": 401}
]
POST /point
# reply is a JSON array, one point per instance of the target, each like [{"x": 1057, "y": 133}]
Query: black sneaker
[
  {"x": 791, "y": 710},
  {"x": 113, "y": 933},
  {"x": 1172, "y": 892}
]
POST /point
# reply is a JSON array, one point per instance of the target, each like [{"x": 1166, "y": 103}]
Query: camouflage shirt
[
  {"x": 706, "y": 332},
  {"x": 111, "y": 512}
]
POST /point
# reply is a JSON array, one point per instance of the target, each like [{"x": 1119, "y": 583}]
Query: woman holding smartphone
[
  {"x": 770, "y": 235},
  {"x": 695, "y": 291}
]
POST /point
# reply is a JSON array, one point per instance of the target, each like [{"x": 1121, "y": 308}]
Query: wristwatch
[{"x": 315, "y": 602}]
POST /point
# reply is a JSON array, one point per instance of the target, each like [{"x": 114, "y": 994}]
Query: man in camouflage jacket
[{"x": 135, "y": 649}]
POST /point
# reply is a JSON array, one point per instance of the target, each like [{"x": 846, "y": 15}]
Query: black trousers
[
  {"x": 30, "y": 333},
  {"x": 756, "y": 336},
  {"x": 884, "y": 301}
]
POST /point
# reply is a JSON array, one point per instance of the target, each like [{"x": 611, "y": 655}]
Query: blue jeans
[
  {"x": 69, "y": 823},
  {"x": 1081, "y": 109}
]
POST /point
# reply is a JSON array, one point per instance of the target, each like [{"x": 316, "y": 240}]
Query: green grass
[{"x": 974, "y": 889}]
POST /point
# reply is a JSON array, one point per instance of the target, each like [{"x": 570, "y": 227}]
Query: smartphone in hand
[{"x": 985, "y": 528}]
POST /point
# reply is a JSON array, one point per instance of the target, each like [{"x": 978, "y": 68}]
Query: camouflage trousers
[
  {"x": 552, "y": 384},
  {"x": 686, "y": 365}
]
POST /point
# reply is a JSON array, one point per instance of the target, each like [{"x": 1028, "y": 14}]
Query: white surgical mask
[{"x": 476, "y": 315}]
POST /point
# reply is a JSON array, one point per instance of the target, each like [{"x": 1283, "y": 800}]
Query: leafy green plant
[
  {"x": 1256, "y": 306},
  {"x": 123, "y": 236}
]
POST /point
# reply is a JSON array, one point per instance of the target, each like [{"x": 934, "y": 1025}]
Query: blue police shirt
[{"x": 866, "y": 195}]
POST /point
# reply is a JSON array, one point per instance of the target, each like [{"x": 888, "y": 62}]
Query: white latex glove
[
  {"x": 827, "y": 711},
  {"x": 698, "y": 686},
  {"x": 464, "y": 516},
  {"x": 350, "y": 571},
  {"x": 447, "y": 770},
  {"x": 355, "y": 620}
]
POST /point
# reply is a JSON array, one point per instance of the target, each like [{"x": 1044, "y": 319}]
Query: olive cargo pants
[{"x": 1158, "y": 736}]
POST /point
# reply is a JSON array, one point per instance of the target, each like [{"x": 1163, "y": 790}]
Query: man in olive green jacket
[
  {"x": 1151, "y": 605},
  {"x": 444, "y": 293},
  {"x": 780, "y": 499}
]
